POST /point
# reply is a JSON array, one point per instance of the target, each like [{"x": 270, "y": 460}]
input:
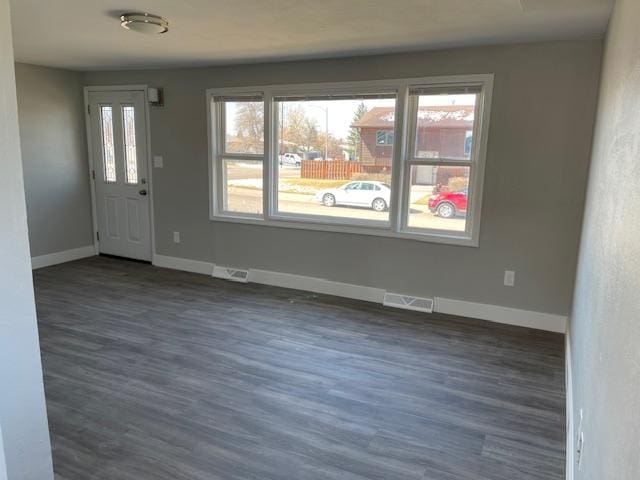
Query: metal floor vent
[
  {"x": 408, "y": 302},
  {"x": 233, "y": 274}
]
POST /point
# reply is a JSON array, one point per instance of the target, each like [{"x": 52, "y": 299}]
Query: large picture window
[
  {"x": 338, "y": 174},
  {"x": 400, "y": 158}
]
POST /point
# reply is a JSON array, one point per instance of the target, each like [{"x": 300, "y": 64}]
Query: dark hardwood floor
[{"x": 157, "y": 374}]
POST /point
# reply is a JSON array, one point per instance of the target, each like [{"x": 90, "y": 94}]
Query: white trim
[
  {"x": 115, "y": 88},
  {"x": 150, "y": 167},
  {"x": 3, "y": 463},
  {"x": 493, "y": 313},
  {"x": 316, "y": 285},
  {"x": 94, "y": 213},
  {"x": 55, "y": 258},
  {"x": 335, "y": 227},
  {"x": 150, "y": 189},
  {"x": 496, "y": 313},
  {"x": 183, "y": 264},
  {"x": 396, "y": 226},
  {"x": 570, "y": 448}
]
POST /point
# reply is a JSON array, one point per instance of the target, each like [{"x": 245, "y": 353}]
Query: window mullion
[
  {"x": 409, "y": 136},
  {"x": 400, "y": 143},
  {"x": 242, "y": 156},
  {"x": 269, "y": 168},
  {"x": 440, "y": 162},
  {"x": 218, "y": 118}
]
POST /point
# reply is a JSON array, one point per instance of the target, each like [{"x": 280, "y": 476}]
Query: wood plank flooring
[{"x": 157, "y": 374}]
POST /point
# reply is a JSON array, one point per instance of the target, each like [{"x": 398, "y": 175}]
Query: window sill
[{"x": 282, "y": 222}]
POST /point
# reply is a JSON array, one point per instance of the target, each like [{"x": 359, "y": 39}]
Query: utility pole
[
  {"x": 326, "y": 133},
  {"x": 326, "y": 128},
  {"x": 281, "y": 152}
]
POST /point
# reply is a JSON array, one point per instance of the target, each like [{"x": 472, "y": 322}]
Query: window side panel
[
  {"x": 108, "y": 145},
  {"x": 130, "y": 152},
  {"x": 238, "y": 138}
]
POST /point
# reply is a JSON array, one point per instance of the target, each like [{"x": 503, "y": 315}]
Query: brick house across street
[{"x": 443, "y": 131}]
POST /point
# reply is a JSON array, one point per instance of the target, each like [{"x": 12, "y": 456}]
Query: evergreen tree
[{"x": 353, "y": 140}]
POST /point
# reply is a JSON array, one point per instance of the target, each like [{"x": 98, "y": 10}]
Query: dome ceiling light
[{"x": 144, "y": 23}]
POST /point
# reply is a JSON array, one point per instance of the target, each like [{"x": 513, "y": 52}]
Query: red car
[{"x": 448, "y": 204}]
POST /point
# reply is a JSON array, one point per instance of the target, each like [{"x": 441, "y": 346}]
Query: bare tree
[
  {"x": 300, "y": 130},
  {"x": 334, "y": 145},
  {"x": 249, "y": 123}
]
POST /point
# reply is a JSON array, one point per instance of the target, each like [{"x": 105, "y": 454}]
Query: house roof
[{"x": 449, "y": 116}]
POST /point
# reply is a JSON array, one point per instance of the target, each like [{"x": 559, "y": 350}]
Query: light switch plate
[
  {"x": 509, "y": 278},
  {"x": 158, "y": 161}
]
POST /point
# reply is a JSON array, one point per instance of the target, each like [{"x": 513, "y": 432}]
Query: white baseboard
[
  {"x": 42, "y": 261},
  {"x": 493, "y": 313},
  {"x": 499, "y": 314},
  {"x": 184, "y": 264},
  {"x": 316, "y": 285},
  {"x": 3, "y": 464},
  {"x": 570, "y": 449}
]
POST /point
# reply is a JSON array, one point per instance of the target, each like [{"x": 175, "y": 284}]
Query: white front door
[{"x": 119, "y": 142}]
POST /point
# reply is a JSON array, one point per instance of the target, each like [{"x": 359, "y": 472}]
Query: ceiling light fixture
[{"x": 144, "y": 23}]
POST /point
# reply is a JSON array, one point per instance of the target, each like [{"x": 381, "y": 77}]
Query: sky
[{"x": 341, "y": 111}]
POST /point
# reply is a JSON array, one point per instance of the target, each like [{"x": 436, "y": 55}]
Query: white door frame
[{"x": 94, "y": 212}]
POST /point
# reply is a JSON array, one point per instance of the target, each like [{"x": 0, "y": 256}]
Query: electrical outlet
[
  {"x": 509, "y": 278},
  {"x": 176, "y": 237},
  {"x": 158, "y": 161}
]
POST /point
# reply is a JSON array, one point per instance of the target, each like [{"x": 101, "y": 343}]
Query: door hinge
[
  {"x": 98, "y": 236},
  {"x": 93, "y": 174},
  {"x": 89, "y": 109}
]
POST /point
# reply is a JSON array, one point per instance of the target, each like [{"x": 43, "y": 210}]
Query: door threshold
[{"x": 118, "y": 257}]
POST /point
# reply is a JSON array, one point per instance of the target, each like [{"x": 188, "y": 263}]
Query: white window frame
[
  {"x": 465, "y": 141},
  {"x": 218, "y": 154},
  {"x": 402, "y": 158}
]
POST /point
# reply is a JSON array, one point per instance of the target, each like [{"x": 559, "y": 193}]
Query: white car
[
  {"x": 291, "y": 159},
  {"x": 375, "y": 195}
]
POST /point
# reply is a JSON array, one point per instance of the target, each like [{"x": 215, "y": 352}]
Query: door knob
[{"x": 142, "y": 192}]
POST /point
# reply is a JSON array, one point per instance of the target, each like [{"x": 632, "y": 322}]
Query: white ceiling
[{"x": 86, "y": 35}]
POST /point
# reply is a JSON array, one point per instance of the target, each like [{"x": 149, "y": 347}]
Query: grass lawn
[
  {"x": 313, "y": 182},
  {"x": 308, "y": 185},
  {"x": 290, "y": 185},
  {"x": 422, "y": 200}
]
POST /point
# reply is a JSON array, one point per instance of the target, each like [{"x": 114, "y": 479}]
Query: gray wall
[
  {"x": 23, "y": 419},
  {"x": 605, "y": 325},
  {"x": 538, "y": 155},
  {"x": 54, "y": 156}
]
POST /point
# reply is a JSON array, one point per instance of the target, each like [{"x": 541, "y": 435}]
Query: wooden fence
[{"x": 337, "y": 169}]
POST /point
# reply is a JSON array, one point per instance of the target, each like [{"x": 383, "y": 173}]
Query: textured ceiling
[{"x": 86, "y": 35}]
